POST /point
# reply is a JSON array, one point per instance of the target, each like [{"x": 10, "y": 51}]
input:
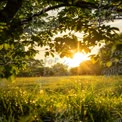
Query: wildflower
[{"x": 41, "y": 91}]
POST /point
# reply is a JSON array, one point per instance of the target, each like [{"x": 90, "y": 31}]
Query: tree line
[{"x": 36, "y": 68}]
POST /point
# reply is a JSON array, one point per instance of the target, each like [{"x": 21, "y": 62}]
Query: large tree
[{"x": 26, "y": 24}]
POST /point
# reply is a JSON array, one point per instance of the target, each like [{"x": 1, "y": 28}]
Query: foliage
[
  {"x": 84, "y": 98},
  {"x": 87, "y": 68},
  {"x": 110, "y": 56},
  {"x": 36, "y": 68},
  {"x": 33, "y": 68},
  {"x": 30, "y": 24},
  {"x": 60, "y": 69}
]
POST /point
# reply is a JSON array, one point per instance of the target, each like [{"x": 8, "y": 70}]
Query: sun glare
[{"x": 77, "y": 59}]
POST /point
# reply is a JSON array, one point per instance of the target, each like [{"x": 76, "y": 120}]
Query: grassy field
[{"x": 62, "y": 99}]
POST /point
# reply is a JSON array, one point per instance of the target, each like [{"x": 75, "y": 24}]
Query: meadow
[{"x": 62, "y": 99}]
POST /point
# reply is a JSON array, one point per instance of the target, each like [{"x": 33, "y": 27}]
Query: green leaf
[
  {"x": 113, "y": 48},
  {"x": 109, "y": 63},
  {"x": 2, "y": 23},
  {"x": 116, "y": 60},
  {"x": 93, "y": 60},
  {"x": 46, "y": 53},
  {"x": 52, "y": 54},
  {"x": 36, "y": 38},
  {"x": 1, "y": 46},
  {"x": 6, "y": 46}
]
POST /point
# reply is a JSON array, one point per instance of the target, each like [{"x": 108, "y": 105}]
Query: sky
[{"x": 49, "y": 61}]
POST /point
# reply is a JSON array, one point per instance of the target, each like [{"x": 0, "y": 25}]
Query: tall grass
[{"x": 62, "y": 99}]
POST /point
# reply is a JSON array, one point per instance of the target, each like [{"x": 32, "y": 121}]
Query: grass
[{"x": 61, "y": 99}]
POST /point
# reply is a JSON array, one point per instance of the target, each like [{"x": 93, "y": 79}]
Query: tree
[
  {"x": 29, "y": 24},
  {"x": 60, "y": 70},
  {"x": 90, "y": 68},
  {"x": 33, "y": 68},
  {"x": 87, "y": 68},
  {"x": 74, "y": 71},
  {"x": 47, "y": 71}
]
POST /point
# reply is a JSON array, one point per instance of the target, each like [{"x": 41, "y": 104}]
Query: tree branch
[
  {"x": 13, "y": 6},
  {"x": 41, "y": 12},
  {"x": 79, "y": 4}
]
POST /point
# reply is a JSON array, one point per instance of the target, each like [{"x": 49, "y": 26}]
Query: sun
[{"x": 77, "y": 59}]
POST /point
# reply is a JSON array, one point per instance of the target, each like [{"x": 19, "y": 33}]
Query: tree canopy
[{"x": 26, "y": 24}]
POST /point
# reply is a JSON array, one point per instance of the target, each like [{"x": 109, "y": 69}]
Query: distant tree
[
  {"x": 60, "y": 69},
  {"x": 87, "y": 68},
  {"x": 47, "y": 71},
  {"x": 36, "y": 68},
  {"x": 33, "y": 68},
  {"x": 74, "y": 71}
]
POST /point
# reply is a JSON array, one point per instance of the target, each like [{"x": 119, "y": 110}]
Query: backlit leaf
[{"x": 109, "y": 63}]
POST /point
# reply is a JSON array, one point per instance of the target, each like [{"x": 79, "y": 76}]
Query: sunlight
[{"x": 77, "y": 59}]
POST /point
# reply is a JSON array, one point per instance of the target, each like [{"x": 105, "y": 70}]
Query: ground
[{"x": 62, "y": 99}]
